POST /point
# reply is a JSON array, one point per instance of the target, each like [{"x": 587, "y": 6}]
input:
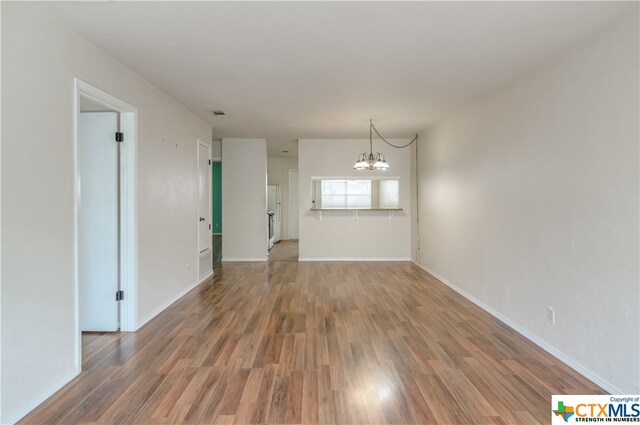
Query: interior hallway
[{"x": 326, "y": 342}]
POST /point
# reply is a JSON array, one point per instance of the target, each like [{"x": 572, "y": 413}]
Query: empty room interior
[{"x": 319, "y": 212}]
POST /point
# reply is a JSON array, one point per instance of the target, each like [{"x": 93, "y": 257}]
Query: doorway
[
  {"x": 216, "y": 201},
  {"x": 274, "y": 213},
  {"x": 104, "y": 144},
  {"x": 205, "y": 265}
]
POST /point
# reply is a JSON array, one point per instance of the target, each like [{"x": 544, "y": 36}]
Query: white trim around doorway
[{"x": 128, "y": 228}]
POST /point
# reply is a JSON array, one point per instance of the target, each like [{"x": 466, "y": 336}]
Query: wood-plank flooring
[
  {"x": 216, "y": 250},
  {"x": 284, "y": 251},
  {"x": 318, "y": 343}
]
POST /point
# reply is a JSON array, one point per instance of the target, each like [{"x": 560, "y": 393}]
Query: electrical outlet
[
  {"x": 551, "y": 315},
  {"x": 186, "y": 268}
]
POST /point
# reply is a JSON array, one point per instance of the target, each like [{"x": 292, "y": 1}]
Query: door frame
[
  {"x": 210, "y": 204},
  {"x": 128, "y": 220}
]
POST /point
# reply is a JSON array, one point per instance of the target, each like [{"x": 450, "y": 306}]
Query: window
[
  {"x": 389, "y": 193},
  {"x": 346, "y": 193},
  {"x": 355, "y": 193}
]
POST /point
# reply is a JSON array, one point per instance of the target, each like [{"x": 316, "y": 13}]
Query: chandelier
[{"x": 375, "y": 161}]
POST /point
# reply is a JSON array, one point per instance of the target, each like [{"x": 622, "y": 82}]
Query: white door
[
  {"x": 204, "y": 198},
  {"x": 98, "y": 221},
  {"x": 293, "y": 204}
]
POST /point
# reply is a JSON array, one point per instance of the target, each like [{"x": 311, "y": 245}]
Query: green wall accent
[{"x": 216, "y": 197}]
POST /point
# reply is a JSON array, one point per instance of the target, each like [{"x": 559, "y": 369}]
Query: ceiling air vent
[{"x": 218, "y": 113}]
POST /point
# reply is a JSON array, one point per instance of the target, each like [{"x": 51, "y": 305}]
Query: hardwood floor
[
  {"x": 291, "y": 343},
  {"x": 284, "y": 251},
  {"x": 216, "y": 250}
]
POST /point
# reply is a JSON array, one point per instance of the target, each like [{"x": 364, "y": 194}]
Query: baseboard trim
[
  {"x": 207, "y": 277},
  {"x": 235, "y": 260},
  {"x": 352, "y": 259},
  {"x": 167, "y": 304},
  {"x": 592, "y": 376},
  {"x": 41, "y": 397}
]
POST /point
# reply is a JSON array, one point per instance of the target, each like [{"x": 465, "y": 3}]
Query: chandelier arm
[{"x": 389, "y": 143}]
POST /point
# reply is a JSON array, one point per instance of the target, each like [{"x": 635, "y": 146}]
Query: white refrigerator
[{"x": 274, "y": 205}]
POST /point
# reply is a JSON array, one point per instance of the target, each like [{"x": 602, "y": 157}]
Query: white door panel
[{"x": 98, "y": 221}]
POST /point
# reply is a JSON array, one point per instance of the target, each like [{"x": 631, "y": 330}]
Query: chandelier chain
[
  {"x": 371, "y": 126},
  {"x": 376, "y": 161}
]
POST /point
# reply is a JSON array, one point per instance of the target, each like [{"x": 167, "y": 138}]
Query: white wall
[
  {"x": 529, "y": 199},
  {"x": 415, "y": 243},
  {"x": 0, "y": 225},
  {"x": 216, "y": 149},
  {"x": 278, "y": 174},
  {"x": 337, "y": 236},
  {"x": 40, "y": 58},
  {"x": 244, "y": 199}
]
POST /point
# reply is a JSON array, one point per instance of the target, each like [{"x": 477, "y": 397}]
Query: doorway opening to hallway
[{"x": 105, "y": 253}]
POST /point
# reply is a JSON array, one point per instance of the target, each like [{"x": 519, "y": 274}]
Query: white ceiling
[{"x": 290, "y": 70}]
